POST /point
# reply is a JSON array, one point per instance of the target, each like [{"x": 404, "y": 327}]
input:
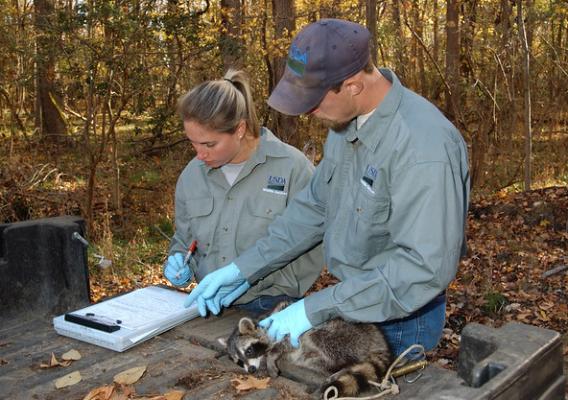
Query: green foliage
[{"x": 494, "y": 302}]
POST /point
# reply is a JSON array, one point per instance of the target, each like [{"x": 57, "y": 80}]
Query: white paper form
[
  {"x": 143, "y": 314},
  {"x": 139, "y": 308}
]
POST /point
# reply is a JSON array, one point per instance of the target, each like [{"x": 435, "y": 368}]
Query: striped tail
[{"x": 353, "y": 380}]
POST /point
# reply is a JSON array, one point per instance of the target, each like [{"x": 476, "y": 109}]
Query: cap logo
[{"x": 297, "y": 60}]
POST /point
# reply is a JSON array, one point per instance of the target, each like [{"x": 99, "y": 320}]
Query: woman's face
[{"x": 216, "y": 148}]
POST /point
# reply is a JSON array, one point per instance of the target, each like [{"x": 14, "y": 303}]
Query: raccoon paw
[{"x": 272, "y": 368}]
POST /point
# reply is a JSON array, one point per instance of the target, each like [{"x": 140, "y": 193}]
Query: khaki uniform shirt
[
  {"x": 389, "y": 202},
  {"x": 226, "y": 220}
]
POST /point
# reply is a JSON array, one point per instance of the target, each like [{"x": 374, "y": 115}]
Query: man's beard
[{"x": 337, "y": 126}]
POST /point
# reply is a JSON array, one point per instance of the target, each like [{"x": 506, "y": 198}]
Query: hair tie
[{"x": 228, "y": 80}]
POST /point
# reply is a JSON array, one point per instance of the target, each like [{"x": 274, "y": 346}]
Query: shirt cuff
[
  {"x": 248, "y": 263},
  {"x": 320, "y": 306}
]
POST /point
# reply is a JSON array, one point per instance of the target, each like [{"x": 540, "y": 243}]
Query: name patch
[
  {"x": 368, "y": 180},
  {"x": 276, "y": 183}
]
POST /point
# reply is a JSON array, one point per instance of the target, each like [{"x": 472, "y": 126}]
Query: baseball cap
[{"x": 323, "y": 54}]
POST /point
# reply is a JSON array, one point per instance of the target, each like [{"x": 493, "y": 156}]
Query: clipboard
[{"x": 124, "y": 321}]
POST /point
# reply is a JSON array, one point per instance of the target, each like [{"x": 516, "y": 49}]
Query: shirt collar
[
  {"x": 374, "y": 129},
  {"x": 269, "y": 146}
]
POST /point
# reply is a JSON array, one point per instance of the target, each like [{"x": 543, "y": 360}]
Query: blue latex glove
[
  {"x": 218, "y": 288},
  {"x": 291, "y": 321},
  {"x": 175, "y": 271}
]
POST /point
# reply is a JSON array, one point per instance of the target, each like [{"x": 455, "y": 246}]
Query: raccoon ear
[
  {"x": 246, "y": 326},
  {"x": 222, "y": 341}
]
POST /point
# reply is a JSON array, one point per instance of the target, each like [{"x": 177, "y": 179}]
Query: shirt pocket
[
  {"x": 326, "y": 169},
  {"x": 368, "y": 228},
  {"x": 199, "y": 210},
  {"x": 267, "y": 204},
  {"x": 260, "y": 211}
]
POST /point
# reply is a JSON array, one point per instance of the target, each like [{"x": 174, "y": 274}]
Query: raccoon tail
[{"x": 353, "y": 380}]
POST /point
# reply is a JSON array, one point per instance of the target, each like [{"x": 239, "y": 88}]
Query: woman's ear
[{"x": 241, "y": 130}]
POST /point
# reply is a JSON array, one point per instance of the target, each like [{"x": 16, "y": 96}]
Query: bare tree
[
  {"x": 371, "y": 20},
  {"x": 49, "y": 119},
  {"x": 400, "y": 58},
  {"x": 284, "y": 13},
  {"x": 526, "y": 94},
  {"x": 452, "y": 59},
  {"x": 230, "y": 41}
]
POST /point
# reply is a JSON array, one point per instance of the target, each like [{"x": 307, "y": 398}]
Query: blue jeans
[
  {"x": 422, "y": 327},
  {"x": 264, "y": 304}
]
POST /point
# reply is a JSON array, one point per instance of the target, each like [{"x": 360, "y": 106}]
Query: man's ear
[
  {"x": 223, "y": 342},
  {"x": 354, "y": 86},
  {"x": 246, "y": 326}
]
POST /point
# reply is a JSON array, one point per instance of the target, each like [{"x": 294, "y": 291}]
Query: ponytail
[{"x": 221, "y": 104}]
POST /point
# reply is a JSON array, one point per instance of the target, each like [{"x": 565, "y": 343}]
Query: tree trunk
[
  {"x": 329, "y": 9},
  {"x": 399, "y": 42},
  {"x": 49, "y": 119},
  {"x": 285, "y": 127},
  {"x": 452, "y": 59},
  {"x": 231, "y": 44},
  {"x": 371, "y": 20},
  {"x": 417, "y": 49},
  {"x": 527, "y": 93},
  {"x": 436, "y": 89}
]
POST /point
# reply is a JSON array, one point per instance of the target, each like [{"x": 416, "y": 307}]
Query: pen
[{"x": 190, "y": 252}]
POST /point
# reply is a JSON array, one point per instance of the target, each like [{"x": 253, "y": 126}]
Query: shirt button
[
  {"x": 225, "y": 228},
  {"x": 269, "y": 211},
  {"x": 229, "y": 198},
  {"x": 223, "y": 259},
  {"x": 359, "y": 209}
]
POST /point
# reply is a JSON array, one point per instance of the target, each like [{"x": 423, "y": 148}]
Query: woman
[{"x": 240, "y": 180}]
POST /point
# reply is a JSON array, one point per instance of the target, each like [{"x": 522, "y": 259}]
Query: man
[{"x": 389, "y": 199}]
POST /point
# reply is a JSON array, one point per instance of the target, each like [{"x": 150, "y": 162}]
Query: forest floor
[{"x": 516, "y": 240}]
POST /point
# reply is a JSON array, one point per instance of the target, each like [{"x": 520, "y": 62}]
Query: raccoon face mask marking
[{"x": 247, "y": 346}]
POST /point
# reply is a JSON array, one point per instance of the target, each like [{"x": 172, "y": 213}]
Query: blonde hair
[{"x": 221, "y": 104}]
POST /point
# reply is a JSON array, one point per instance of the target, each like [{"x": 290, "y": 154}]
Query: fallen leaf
[
  {"x": 125, "y": 390},
  {"x": 250, "y": 382},
  {"x": 100, "y": 393},
  {"x": 174, "y": 395},
  {"x": 68, "y": 380},
  {"x": 53, "y": 362},
  {"x": 130, "y": 376},
  {"x": 118, "y": 395},
  {"x": 71, "y": 355}
]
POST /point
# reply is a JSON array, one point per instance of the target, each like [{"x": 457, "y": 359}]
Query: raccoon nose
[{"x": 251, "y": 369}]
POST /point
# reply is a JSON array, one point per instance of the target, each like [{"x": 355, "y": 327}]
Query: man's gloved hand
[
  {"x": 218, "y": 288},
  {"x": 291, "y": 321},
  {"x": 176, "y": 271}
]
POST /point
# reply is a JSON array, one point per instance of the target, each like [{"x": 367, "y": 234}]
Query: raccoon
[{"x": 350, "y": 354}]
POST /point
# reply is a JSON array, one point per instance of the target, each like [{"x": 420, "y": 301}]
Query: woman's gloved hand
[
  {"x": 218, "y": 288},
  {"x": 175, "y": 271}
]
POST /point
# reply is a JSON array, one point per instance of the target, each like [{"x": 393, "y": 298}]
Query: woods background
[{"x": 79, "y": 72}]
